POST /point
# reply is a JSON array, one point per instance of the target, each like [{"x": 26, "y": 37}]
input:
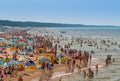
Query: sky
[{"x": 89, "y": 12}]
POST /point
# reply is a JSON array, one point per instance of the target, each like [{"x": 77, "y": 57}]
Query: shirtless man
[
  {"x": 60, "y": 79},
  {"x": 96, "y": 69},
  {"x": 20, "y": 78}
]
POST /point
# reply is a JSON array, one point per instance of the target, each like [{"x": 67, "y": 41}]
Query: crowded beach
[{"x": 25, "y": 56}]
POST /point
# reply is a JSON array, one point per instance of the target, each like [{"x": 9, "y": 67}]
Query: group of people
[
  {"x": 34, "y": 42},
  {"x": 7, "y": 72},
  {"x": 47, "y": 66}
]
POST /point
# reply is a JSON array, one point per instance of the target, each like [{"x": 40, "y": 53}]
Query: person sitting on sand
[
  {"x": 90, "y": 73},
  {"x": 60, "y": 79},
  {"x": 20, "y": 78}
]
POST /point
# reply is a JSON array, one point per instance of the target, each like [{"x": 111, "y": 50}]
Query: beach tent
[{"x": 29, "y": 63}]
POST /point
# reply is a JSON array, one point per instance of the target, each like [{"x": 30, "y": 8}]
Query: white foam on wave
[{"x": 61, "y": 74}]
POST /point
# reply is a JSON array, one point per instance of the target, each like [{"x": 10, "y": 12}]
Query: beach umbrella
[
  {"x": 22, "y": 53},
  {"x": 1, "y": 56},
  {"x": 20, "y": 43},
  {"x": 6, "y": 64},
  {"x": 43, "y": 58},
  {"x": 14, "y": 62},
  {"x": 11, "y": 43},
  {"x": 1, "y": 62},
  {"x": 2, "y": 39},
  {"x": 13, "y": 48},
  {"x": 3, "y": 42},
  {"x": 59, "y": 55}
]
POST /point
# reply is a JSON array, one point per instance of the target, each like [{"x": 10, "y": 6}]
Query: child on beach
[
  {"x": 20, "y": 78},
  {"x": 90, "y": 73}
]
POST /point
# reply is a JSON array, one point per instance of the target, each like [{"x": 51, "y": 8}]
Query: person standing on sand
[
  {"x": 113, "y": 59},
  {"x": 79, "y": 68},
  {"x": 90, "y": 58},
  {"x": 73, "y": 63},
  {"x": 20, "y": 78},
  {"x": 43, "y": 67},
  {"x": 40, "y": 79},
  {"x": 69, "y": 64},
  {"x": 84, "y": 73},
  {"x": 96, "y": 69}
]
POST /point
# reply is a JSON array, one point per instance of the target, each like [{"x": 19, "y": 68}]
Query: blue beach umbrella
[
  {"x": 22, "y": 53},
  {"x": 43, "y": 58},
  {"x": 13, "y": 62},
  {"x": 1, "y": 62},
  {"x": 59, "y": 55}
]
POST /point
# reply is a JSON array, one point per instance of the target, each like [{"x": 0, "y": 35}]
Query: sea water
[{"x": 109, "y": 73}]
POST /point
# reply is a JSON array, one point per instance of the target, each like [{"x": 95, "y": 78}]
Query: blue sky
[{"x": 99, "y": 12}]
